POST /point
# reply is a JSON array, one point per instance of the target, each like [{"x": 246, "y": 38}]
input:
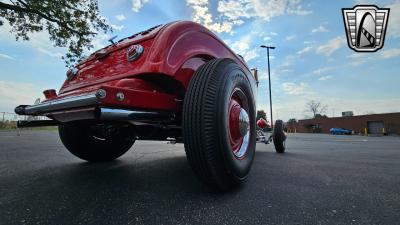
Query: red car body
[
  {"x": 159, "y": 77},
  {"x": 137, "y": 88},
  {"x": 156, "y": 80},
  {"x": 178, "y": 81}
]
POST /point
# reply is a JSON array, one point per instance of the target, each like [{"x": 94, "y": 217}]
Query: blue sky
[{"x": 311, "y": 62}]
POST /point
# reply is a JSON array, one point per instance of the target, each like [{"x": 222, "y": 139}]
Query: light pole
[{"x": 269, "y": 82}]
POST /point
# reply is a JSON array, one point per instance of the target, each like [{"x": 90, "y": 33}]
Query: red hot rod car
[{"x": 172, "y": 81}]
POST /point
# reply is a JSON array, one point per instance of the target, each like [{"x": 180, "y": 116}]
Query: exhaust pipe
[
  {"x": 36, "y": 123},
  {"x": 133, "y": 115},
  {"x": 102, "y": 114}
]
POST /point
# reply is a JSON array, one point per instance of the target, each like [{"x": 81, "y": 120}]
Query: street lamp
[{"x": 269, "y": 82}]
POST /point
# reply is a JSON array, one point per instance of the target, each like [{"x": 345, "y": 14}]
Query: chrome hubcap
[
  {"x": 239, "y": 123},
  {"x": 244, "y": 122}
]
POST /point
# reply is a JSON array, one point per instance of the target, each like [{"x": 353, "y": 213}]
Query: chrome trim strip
[
  {"x": 64, "y": 103},
  {"x": 243, "y": 148}
]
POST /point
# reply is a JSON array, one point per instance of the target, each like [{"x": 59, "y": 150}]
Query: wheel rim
[{"x": 239, "y": 123}]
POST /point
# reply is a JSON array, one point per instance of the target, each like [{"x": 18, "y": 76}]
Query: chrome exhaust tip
[{"x": 133, "y": 115}]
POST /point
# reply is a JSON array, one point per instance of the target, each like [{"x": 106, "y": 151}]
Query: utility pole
[{"x": 269, "y": 81}]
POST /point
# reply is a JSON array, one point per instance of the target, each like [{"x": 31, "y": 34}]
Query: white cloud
[
  {"x": 290, "y": 37},
  {"x": 322, "y": 70},
  {"x": 252, "y": 54},
  {"x": 297, "y": 8},
  {"x": 331, "y": 46},
  {"x": 243, "y": 46},
  {"x": 13, "y": 94},
  {"x": 50, "y": 53},
  {"x": 120, "y": 17},
  {"x": 234, "y": 9},
  {"x": 357, "y": 59},
  {"x": 289, "y": 60},
  {"x": 138, "y": 4},
  {"x": 394, "y": 52},
  {"x": 39, "y": 41},
  {"x": 234, "y": 12},
  {"x": 267, "y": 9},
  {"x": 42, "y": 43},
  {"x": 113, "y": 26},
  {"x": 393, "y": 28},
  {"x": 117, "y": 27},
  {"x": 319, "y": 29},
  {"x": 201, "y": 14},
  {"x": 304, "y": 50},
  {"x": 100, "y": 41},
  {"x": 365, "y": 2},
  {"x": 5, "y": 56},
  {"x": 325, "y": 78},
  {"x": 266, "y": 38},
  {"x": 296, "y": 89}
]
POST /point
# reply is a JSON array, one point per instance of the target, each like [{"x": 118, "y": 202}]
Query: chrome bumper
[
  {"x": 87, "y": 107},
  {"x": 58, "y": 105}
]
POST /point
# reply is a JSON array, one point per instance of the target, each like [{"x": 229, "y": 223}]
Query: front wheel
[
  {"x": 219, "y": 127},
  {"x": 97, "y": 142},
  {"x": 279, "y": 137}
]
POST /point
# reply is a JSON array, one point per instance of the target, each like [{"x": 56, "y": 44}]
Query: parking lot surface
[{"x": 321, "y": 179}]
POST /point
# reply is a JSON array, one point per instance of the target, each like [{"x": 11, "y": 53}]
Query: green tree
[
  {"x": 70, "y": 23},
  {"x": 261, "y": 114}
]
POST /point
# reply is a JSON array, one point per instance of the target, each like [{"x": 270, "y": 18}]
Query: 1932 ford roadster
[{"x": 172, "y": 81}]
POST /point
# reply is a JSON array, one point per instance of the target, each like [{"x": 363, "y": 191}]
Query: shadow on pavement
[{"x": 101, "y": 193}]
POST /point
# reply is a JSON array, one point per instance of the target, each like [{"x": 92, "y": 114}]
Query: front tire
[
  {"x": 96, "y": 142},
  {"x": 279, "y": 137},
  {"x": 219, "y": 127}
]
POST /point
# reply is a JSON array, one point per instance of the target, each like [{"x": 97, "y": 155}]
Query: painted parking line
[{"x": 363, "y": 140}]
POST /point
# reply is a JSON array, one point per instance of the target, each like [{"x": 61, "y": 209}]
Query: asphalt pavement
[{"x": 321, "y": 179}]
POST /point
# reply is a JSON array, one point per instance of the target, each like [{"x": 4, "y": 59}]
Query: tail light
[
  {"x": 50, "y": 94},
  {"x": 134, "y": 52}
]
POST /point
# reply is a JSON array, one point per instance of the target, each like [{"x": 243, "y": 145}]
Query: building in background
[
  {"x": 374, "y": 124},
  {"x": 348, "y": 113}
]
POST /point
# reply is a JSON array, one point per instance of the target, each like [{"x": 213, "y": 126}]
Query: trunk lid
[{"x": 109, "y": 62}]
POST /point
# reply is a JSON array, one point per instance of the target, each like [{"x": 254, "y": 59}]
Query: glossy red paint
[
  {"x": 261, "y": 123},
  {"x": 137, "y": 84},
  {"x": 159, "y": 77},
  {"x": 140, "y": 99},
  {"x": 234, "y": 133},
  {"x": 175, "y": 50},
  {"x": 50, "y": 94}
]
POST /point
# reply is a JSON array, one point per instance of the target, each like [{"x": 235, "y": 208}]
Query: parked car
[
  {"x": 336, "y": 130},
  {"x": 178, "y": 81}
]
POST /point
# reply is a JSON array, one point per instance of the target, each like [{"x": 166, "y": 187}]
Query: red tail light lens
[
  {"x": 50, "y": 94},
  {"x": 134, "y": 52}
]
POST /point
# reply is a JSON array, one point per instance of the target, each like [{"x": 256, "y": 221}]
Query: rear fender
[{"x": 181, "y": 47}]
